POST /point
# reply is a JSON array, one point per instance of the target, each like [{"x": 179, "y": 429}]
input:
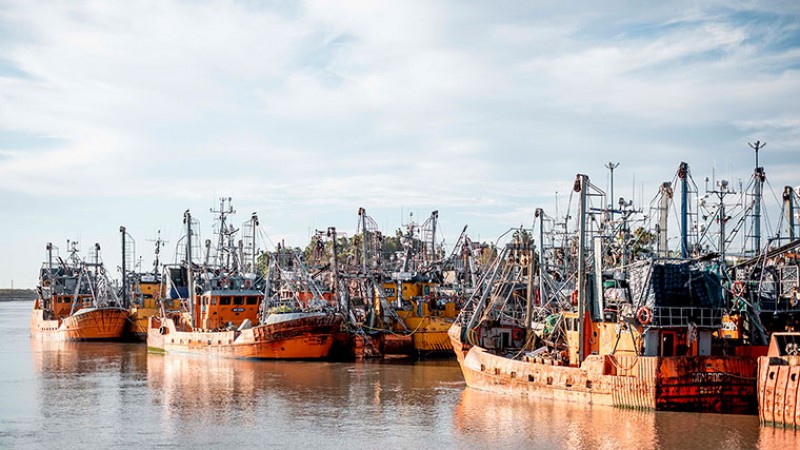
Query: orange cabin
[
  {"x": 219, "y": 309},
  {"x": 62, "y": 304}
]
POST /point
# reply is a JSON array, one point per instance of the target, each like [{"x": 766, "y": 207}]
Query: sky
[{"x": 129, "y": 113}]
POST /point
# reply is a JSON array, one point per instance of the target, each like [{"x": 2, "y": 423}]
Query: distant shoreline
[{"x": 17, "y": 295}]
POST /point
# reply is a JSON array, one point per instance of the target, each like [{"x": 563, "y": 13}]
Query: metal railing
[{"x": 674, "y": 316}]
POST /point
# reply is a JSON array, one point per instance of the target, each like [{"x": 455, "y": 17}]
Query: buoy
[{"x": 644, "y": 315}]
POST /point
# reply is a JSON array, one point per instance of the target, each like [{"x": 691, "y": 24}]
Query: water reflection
[
  {"x": 107, "y": 395},
  {"x": 511, "y": 421},
  {"x": 779, "y": 439},
  {"x": 337, "y": 401},
  {"x": 85, "y": 385},
  {"x": 53, "y": 359}
]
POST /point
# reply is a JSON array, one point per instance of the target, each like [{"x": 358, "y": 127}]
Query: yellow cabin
[{"x": 409, "y": 290}]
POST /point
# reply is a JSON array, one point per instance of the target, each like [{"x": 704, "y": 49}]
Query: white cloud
[{"x": 308, "y": 110}]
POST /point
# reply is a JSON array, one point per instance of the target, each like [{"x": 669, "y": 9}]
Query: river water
[{"x": 108, "y": 395}]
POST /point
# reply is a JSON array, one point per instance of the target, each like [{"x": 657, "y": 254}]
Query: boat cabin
[
  {"x": 408, "y": 290},
  {"x": 659, "y": 307},
  {"x": 58, "y": 286},
  {"x": 61, "y": 305},
  {"x": 223, "y": 308}
]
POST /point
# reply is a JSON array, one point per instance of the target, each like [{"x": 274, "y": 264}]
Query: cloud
[{"x": 308, "y": 110}]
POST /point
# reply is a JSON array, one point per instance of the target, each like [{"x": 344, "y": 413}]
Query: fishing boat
[
  {"x": 76, "y": 301},
  {"x": 779, "y": 382},
  {"x": 425, "y": 316},
  {"x": 368, "y": 328},
  {"x": 227, "y": 310},
  {"x": 145, "y": 295},
  {"x": 412, "y": 290},
  {"x": 391, "y": 307},
  {"x": 637, "y": 334},
  {"x": 142, "y": 292}
]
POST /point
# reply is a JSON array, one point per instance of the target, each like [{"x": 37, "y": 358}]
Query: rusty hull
[
  {"x": 692, "y": 384},
  {"x": 779, "y": 384}
]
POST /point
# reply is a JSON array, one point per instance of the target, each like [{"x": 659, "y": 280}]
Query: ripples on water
[{"x": 106, "y": 395}]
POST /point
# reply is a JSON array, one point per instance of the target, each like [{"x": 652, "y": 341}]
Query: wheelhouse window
[
  {"x": 252, "y": 300},
  {"x": 224, "y": 300},
  {"x": 238, "y": 300}
]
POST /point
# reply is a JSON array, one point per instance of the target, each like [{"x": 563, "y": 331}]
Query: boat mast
[
  {"x": 187, "y": 219},
  {"x": 223, "y": 248},
  {"x": 540, "y": 214},
  {"x": 759, "y": 177},
  {"x": 434, "y": 219},
  {"x": 362, "y": 213},
  {"x": 611, "y": 166},
  {"x": 683, "y": 175},
  {"x": 124, "y": 272},
  {"x": 529, "y": 293},
  {"x": 665, "y": 198},
  {"x": 722, "y": 217},
  {"x": 335, "y": 284},
  {"x": 158, "y": 252},
  {"x": 788, "y": 208},
  {"x": 254, "y": 220},
  {"x": 50, "y": 256},
  {"x": 581, "y": 186}
]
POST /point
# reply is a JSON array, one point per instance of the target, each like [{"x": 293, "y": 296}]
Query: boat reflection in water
[
  {"x": 127, "y": 395},
  {"x": 82, "y": 386},
  {"x": 54, "y": 359},
  {"x": 509, "y": 421},
  {"x": 113, "y": 395},
  {"x": 341, "y": 402}
]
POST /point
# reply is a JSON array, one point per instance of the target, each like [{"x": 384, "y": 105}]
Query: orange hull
[
  {"x": 779, "y": 391},
  {"x": 309, "y": 337},
  {"x": 84, "y": 325},
  {"x": 779, "y": 382},
  {"x": 693, "y": 384}
]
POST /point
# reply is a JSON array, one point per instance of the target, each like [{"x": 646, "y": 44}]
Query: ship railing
[{"x": 681, "y": 316}]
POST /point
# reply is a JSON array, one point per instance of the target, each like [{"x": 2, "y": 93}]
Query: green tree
[{"x": 642, "y": 245}]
